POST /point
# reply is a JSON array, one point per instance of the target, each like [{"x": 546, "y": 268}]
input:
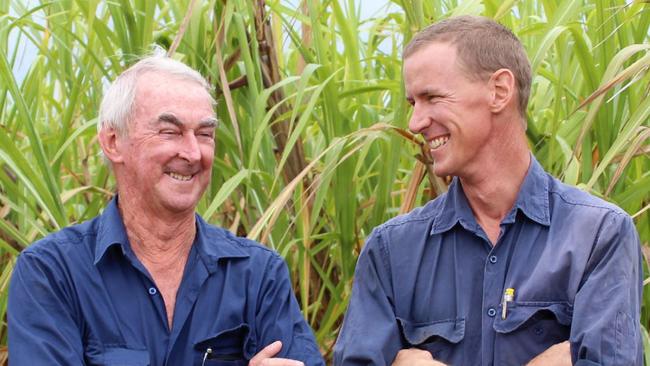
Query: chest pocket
[
  {"x": 231, "y": 347},
  {"x": 117, "y": 356},
  {"x": 531, "y": 326},
  {"x": 437, "y": 337}
]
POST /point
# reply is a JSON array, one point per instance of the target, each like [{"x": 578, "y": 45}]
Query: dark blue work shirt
[
  {"x": 81, "y": 297},
  {"x": 431, "y": 279}
]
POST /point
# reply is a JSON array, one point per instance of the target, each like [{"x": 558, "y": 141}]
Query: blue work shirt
[
  {"x": 81, "y": 297},
  {"x": 431, "y": 279}
]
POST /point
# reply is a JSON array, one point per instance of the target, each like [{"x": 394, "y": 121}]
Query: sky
[{"x": 27, "y": 51}]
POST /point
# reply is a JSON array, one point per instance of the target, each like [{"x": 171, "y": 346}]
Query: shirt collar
[
  {"x": 111, "y": 231},
  {"x": 212, "y": 245},
  {"x": 454, "y": 209},
  {"x": 532, "y": 201}
]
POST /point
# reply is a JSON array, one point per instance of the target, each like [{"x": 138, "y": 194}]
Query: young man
[
  {"x": 148, "y": 282},
  {"x": 510, "y": 266}
]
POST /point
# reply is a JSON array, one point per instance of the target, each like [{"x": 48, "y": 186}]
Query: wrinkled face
[
  {"x": 166, "y": 157},
  {"x": 450, "y": 110}
]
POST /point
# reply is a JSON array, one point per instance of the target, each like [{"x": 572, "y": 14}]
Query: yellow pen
[{"x": 508, "y": 296}]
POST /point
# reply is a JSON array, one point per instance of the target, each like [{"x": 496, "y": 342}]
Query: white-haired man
[{"x": 148, "y": 282}]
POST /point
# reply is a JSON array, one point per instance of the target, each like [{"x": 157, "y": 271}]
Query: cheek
[{"x": 207, "y": 155}]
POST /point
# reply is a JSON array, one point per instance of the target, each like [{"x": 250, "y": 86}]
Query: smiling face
[
  {"x": 164, "y": 163},
  {"x": 450, "y": 110}
]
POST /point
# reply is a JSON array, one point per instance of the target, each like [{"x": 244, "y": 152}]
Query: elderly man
[
  {"x": 510, "y": 266},
  {"x": 148, "y": 282}
]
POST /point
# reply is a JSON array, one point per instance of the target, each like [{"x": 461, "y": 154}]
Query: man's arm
[
  {"x": 266, "y": 357},
  {"x": 370, "y": 334},
  {"x": 415, "y": 357},
  {"x": 279, "y": 319},
  {"x": 605, "y": 327},
  {"x": 42, "y": 327},
  {"x": 556, "y": 355}
]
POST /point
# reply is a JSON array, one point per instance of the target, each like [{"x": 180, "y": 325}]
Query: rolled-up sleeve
[
  {"x": 605, "y": 327},
  {"x": 279, "y": 317},
  {"x": 42, "y": 328},
  {"x": 370, "y": 334}
]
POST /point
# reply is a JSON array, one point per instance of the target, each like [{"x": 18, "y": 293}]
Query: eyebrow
[
  {"x": 171, "y": 118},
  {"x": 429, "y": 91}
]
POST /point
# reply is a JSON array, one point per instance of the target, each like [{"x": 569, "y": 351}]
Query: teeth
[
  {"x": 437, "y": 142},
  {"x": 180, "y": 177}
]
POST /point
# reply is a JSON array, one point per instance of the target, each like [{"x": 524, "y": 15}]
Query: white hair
[{"x": 118, "y": 104}]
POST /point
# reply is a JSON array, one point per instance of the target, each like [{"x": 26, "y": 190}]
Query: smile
[
  {"x": 438, "y": 141},
  {"x": 180, "y": 177}
]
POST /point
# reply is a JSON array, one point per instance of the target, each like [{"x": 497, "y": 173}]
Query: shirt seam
[
  {"x": 385, "y": 255},
  {"x": 585, "y": 204},
  {"x": 407, "y": 221},
  {"x": 607, "y": 220},
  {"x": 243, "y": 242},
  {"x": 58, "y": 243},
  {"x": 215, "y": 232}
]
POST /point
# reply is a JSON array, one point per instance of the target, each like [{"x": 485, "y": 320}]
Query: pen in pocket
[{"x": 508, "y": 296}]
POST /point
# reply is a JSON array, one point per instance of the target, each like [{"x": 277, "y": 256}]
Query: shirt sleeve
[
  {"x": 42, "y": 327},
  {"x": 370, "y": 334},
  {"x": 605, "y": 327},
  {"x": 279, "y": 318}
]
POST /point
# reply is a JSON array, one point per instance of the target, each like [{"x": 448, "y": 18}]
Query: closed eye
[{"x": 209, "y": 133}]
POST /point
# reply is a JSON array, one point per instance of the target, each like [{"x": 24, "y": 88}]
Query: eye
[
  {"x": 206, "y": 133},
  {"x": 168, "y": 132},
  {"x": 410, "y": 101}
]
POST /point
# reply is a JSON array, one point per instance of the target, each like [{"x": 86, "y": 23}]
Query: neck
[
  {"x": 493, "y": 188},
  {"x": 157, "y": 239}
]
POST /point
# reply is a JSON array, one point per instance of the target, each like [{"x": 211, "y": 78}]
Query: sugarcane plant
[{"x": 313, "y": 149}]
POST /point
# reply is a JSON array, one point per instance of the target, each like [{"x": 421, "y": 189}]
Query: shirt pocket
[
  {"x": 230, "y": 347},
  {"x": 438, "y": 337},
  {"x": 119, "y": 356},
  {"x": 530, "y": 327}
]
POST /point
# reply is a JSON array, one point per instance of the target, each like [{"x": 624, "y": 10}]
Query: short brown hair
[{"x": 483, "y": 47}]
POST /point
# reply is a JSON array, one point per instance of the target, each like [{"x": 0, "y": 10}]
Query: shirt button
[
  {"x": 152, "y": 291},
  {"x": 491, "y": 312},
  {"x": 493, "y": 259}
]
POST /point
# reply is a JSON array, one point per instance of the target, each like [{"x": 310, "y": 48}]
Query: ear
[
  {"x": 503, "y": 85},
  {"x": 109, "y": 140}
]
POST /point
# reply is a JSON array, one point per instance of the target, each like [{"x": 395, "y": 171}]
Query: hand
[
  {"x": 415, "y": 357},
  {"x": 265, "y": 357},
  {"x": 556, "y": 355}
]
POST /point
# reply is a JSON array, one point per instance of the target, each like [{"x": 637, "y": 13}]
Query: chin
[{"x": 181, "y": 205}]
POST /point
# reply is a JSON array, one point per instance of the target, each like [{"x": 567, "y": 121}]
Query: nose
[
  {"x": 190, "y": 149},
  {"x": 419, "y": 121}
]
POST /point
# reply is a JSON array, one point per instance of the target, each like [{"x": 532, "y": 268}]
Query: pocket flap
[
  {"x": 125, "y": 357},
  {"x": 234, "y": 342},
  {"x": 520, "y": 312},
  {"x": 452, "y": 330}
]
